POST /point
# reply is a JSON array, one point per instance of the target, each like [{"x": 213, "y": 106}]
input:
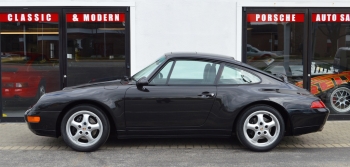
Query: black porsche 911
[{"x": 181, "y": 95}]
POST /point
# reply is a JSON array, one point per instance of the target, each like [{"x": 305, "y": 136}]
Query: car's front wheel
[
  {"x": 260, "y": 128},
  {"x": 85, "y": 128}
]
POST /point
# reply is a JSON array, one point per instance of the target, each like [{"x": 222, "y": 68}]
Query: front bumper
[{"x": 48, "y": 123}]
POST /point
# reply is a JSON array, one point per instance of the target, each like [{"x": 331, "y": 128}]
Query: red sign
[
  {"x": 328, "y": 17},
  {"x": 95, "y": 17},
  {"x": 28, "y": 17},
  {"x": 276, "y": 17}
]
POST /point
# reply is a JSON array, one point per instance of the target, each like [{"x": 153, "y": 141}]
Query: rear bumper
[
  {"x": 29, "y": 92},
  {"x": 308, "y": 121},
  {"x": 308, "y": 129}
]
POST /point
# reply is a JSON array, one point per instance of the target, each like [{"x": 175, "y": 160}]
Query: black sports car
[{"x": 181, "y": 95}]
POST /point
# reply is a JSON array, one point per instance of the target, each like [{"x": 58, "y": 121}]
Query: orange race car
[{"x": 329, "y": 82}]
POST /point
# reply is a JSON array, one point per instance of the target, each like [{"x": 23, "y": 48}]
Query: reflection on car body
[{"x": 182, "y": 95}]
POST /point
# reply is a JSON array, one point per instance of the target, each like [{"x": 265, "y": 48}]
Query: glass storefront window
[
  {"x": 330, "y": 65},
  {"x": 29, "y": 59},
  {"x": 95, "y": 47},
  {"x": 275, "y": 44}
]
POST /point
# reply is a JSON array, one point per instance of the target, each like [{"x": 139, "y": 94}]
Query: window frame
[
  {"x": 238, "y": 67},
  {"x": 184, "y": 59}
]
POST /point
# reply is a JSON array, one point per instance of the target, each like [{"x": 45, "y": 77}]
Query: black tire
[
  {"x": 338, "y": 100},
  {"x": 254, "y": 135},
  {"x": 85, "y": 138},
  {"x": 41, "y": 91}
]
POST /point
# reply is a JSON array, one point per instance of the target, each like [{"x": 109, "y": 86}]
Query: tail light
[{"x": 318, "y": 104}]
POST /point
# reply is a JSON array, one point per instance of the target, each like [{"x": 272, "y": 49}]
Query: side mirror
[{"x": 142, "y": 82}]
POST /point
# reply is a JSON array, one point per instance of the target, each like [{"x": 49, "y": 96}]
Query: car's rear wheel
[
  {"x": 85, "y": 128},
  {"x": 339, "y": 100},
  {"x": 260, "y": 128}
]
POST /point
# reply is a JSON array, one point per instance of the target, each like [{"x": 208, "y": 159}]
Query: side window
[
  {"x": 162, "y": 76},
  {"x": 193, "y": 72},
  {"x": 233, "y": 75}
]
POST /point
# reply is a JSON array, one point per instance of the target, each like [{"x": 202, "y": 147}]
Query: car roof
[
  {"x": 200, "y": 55},
  {"x": 205, "y": 56}
]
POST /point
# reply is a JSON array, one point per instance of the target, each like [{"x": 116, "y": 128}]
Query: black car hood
[{"x": 106, "y": 84}]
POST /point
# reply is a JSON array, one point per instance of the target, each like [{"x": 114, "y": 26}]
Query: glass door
[
  {"x": 96, "y": 42},
  {"x": 29, "y": 49},
  {"x": 330, "y": 58},
  {"x": 275, "y": 42}
]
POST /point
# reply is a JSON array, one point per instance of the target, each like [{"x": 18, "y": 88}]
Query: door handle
[{"x": 206, "y": 95}]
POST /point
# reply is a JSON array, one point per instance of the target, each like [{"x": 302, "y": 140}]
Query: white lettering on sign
[
  {"x": 344, "y": 17},
  {"x": 328, "y": 17},
  {"x": 29, "y": 17},
  {"x": 100, "y": 17},
  {"x": 274, "y": 17}
]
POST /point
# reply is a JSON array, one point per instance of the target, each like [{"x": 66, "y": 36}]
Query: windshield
[{"x": 149, "y": 69}]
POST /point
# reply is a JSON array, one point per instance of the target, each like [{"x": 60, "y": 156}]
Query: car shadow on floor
[{"x": 231, "y": 142}]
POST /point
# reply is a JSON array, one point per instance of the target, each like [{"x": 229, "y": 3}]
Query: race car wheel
[
  {"x": 260, "y": 128},
  {"x": 85, "y": 128},
  {"x": 338, "y": 100}
]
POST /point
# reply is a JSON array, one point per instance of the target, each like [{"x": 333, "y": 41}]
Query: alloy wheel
[
  {"x": 340, "y": 99},
  {"x": 261, "y": 128},
  {"x": 84, "y": 128}
]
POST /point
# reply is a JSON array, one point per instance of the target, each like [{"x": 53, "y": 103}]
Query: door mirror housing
[{"x": 142, "y": 82}]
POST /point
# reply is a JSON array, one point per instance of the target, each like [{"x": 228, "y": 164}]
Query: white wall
[
  {"x": 161, "y": 26},
  {"x": 183, "y": 26}
]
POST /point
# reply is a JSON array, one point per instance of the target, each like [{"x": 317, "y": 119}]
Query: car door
[{"x": 181, "y": 94}]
